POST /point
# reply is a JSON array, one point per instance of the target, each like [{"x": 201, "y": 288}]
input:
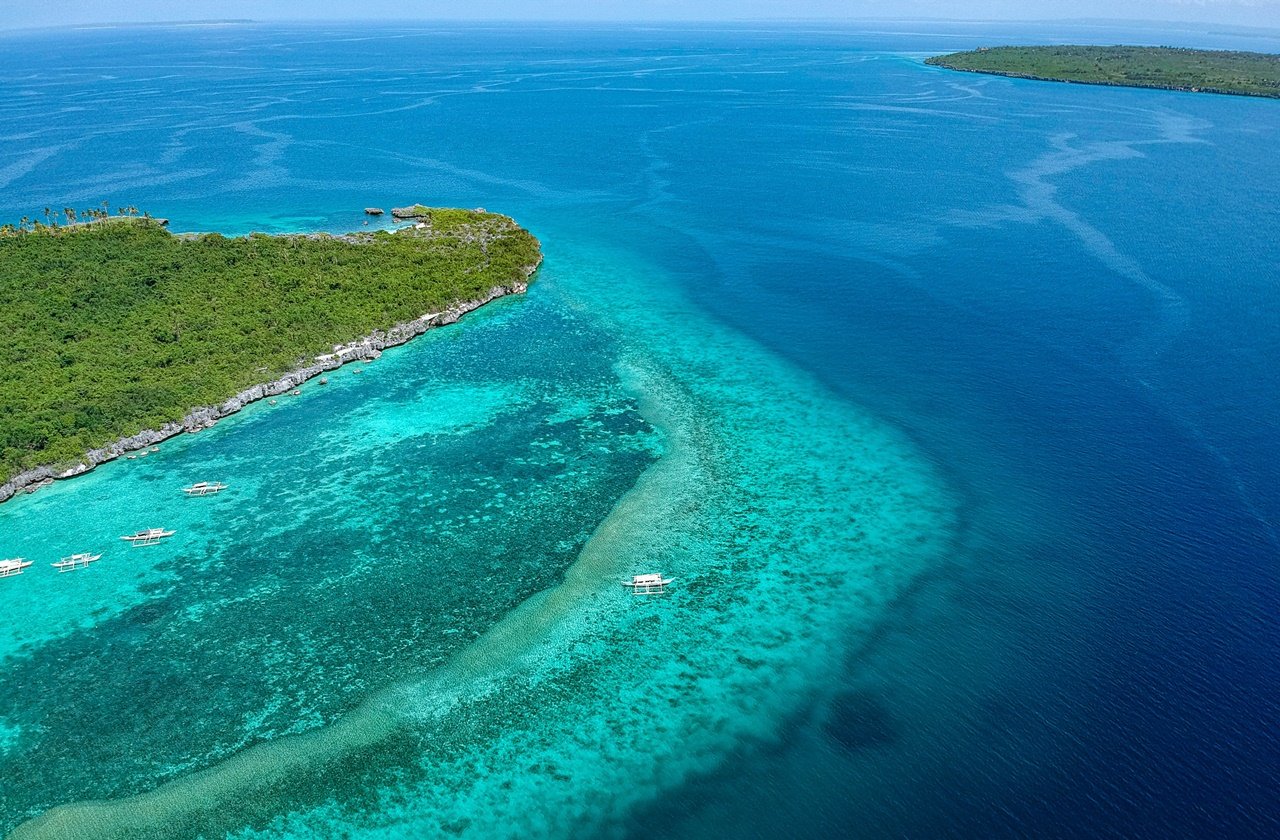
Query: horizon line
[{"x": 664, "y": 22}]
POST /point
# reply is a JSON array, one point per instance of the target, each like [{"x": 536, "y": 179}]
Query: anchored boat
[
  {"x": 14, "y": 566},
  {"x": 204, "y": 488},
  {"x": 151, "y": 536},
  {"x": 75, "y": 561},
  {"x": 648, "y": 584}
]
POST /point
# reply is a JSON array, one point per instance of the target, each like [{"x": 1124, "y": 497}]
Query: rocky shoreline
[{"x": 366, "y": 349}]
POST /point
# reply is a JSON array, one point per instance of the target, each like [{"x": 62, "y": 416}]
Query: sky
[{"x": 18, "y": 14}]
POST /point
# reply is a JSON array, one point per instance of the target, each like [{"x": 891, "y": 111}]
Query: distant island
[
  {"x": 1168, "y": 68},
  {"x": 118, "y": 334}
]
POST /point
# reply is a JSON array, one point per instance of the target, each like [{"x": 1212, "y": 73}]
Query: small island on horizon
[
  {"x": 120, "y": 334},
  {"x": 1165, "y": 68}
]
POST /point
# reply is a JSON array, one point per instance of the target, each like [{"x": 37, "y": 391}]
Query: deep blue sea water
[{"x": 950, "y": 400}]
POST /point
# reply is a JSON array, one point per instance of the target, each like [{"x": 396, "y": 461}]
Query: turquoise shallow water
[
  {"x": 267, "y": 610},
  {"x": 962, "y": 460},
  {"x": 368, "y": 518}
]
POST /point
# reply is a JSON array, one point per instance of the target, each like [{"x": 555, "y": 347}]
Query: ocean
[{"x": 949, "y": 401}]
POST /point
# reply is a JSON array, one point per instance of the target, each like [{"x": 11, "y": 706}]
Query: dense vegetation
[
  {"x": 1211, "y": 71},
  {"x": 117, "y": 326}
]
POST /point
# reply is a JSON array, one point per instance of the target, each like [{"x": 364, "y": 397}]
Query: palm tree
[
  {"x": 70, "y": 213},
  {"x": 22, "y": 223}
]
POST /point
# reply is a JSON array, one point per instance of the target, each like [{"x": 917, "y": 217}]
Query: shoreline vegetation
[
  {"x": 1164, "y": 68},
  {"x": 120, "y": 334}
]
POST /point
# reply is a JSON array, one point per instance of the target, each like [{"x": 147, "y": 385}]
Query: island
[
  {"x": 1167, "y": 68},
  {"x": 119, "y": 334}
]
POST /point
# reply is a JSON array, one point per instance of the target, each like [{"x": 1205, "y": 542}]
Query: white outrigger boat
[
  {"x": 204, "y": 488},
  {"x": 648, "y": 584},
  {"x": 75, "y": 561},
  {"x": 9, "y": 568},
  {"x": 151, "y": 536}
]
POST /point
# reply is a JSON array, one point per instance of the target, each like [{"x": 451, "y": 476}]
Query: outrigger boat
[
  {"x": 75, "y": 561},
  {"x": 151, "y": 536},
  {"x": 9, "y": 568},
  {"x": 648, "y": 584},
  {"x": 204, "y": 488}
]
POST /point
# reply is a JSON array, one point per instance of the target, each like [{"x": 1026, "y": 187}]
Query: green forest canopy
[
  {"x": 117, "y": 326},
  {"x": 1212, "y": 71}
]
